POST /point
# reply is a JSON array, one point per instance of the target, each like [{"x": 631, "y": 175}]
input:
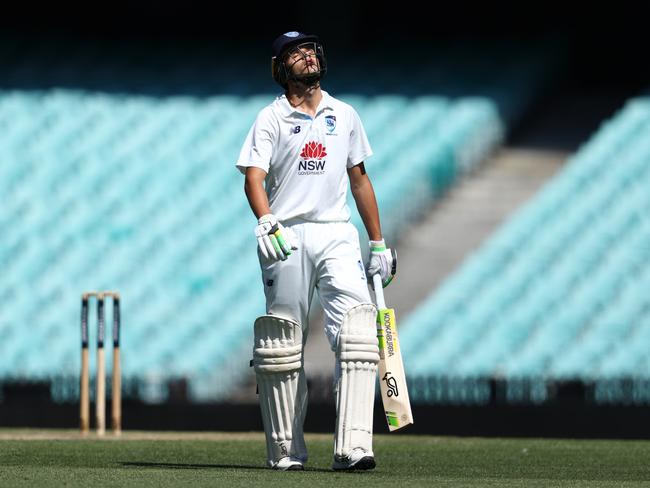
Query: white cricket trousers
[{"x": 328, "y": 259}]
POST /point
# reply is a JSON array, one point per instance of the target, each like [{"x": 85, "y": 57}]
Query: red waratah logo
[{"x": 313, "y": 150}]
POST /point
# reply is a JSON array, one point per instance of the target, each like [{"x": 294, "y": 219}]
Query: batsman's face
[{"x": 302, "y": 59}]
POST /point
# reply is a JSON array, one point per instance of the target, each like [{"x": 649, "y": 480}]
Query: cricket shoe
[
  {"x": 358, "y": 460},
  {"x": 289, "y": 464}
]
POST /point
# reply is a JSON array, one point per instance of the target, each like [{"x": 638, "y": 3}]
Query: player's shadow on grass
[{"x": 205, "y": 466}]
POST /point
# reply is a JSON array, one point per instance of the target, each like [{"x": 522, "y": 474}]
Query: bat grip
[{"x": 379, "y": 291}]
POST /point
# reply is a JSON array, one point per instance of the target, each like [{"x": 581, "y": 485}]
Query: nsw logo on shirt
[{"x": 312, "y": 159}]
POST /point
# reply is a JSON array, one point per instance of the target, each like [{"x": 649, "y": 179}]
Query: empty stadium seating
[
  {"x": 561, "y": 290},
  {"x": 139, "y": 194},
  {"x": 117, "y": 172}
]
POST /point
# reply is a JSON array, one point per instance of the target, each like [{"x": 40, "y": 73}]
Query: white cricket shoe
[
  {"x": 289, "y": 464},
  {"x": 358, "y": 460}
]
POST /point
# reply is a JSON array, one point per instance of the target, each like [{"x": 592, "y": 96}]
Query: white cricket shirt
[{"x": 306, "y": 158}]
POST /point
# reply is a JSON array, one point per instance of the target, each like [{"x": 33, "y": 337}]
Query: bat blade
[{"x": 392, "y": 377}]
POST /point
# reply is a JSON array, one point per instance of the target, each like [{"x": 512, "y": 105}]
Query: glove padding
[
  {"x": 383, "y": 261},
  {"x": 274, "y": 240}
]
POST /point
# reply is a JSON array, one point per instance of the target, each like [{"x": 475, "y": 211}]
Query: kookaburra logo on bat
[{"x": 391, "y": 384}]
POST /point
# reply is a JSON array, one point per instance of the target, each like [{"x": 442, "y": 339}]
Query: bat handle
[{"x": 379, "y": 291}]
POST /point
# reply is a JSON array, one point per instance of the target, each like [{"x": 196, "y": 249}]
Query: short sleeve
[
  {"x": 257, "y": 149},
  {"x": 360, "y": 148}
]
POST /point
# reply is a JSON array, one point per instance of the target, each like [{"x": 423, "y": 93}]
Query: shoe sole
[
  {"x": 364, "y": 464},
  {"x": 293, "y": 467}
]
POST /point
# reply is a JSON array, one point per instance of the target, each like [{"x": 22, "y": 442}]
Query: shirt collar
[{"x": 325, "y": 104}]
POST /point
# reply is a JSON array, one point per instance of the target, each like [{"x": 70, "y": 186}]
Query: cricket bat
[{"x": 392, "y": 378}]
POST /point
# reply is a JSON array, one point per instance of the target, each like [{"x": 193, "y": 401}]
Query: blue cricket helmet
[{"x": 282, "y": 45}]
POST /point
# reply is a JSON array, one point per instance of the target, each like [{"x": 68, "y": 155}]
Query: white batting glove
[
  {"x": 383, "y": 261},
  {"x": 274, "y": 240}
]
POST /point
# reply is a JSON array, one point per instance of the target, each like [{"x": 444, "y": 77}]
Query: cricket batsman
[{"x": 299, "y": 157}]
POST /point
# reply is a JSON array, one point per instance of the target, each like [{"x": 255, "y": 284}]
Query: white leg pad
[
  {"x": 278, "y": 361},
  {"x": 357, "y": 355}
]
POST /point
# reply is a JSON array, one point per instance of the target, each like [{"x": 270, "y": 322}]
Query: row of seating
[{"x": 559, "y": 290}]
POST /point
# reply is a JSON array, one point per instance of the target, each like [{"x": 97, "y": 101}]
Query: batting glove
[
  {"x": 383, "y": 261},
  {"x": 274, "y": 240}
]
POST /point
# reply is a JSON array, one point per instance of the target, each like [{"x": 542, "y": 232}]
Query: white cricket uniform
[{"x": 306, "y": 161}]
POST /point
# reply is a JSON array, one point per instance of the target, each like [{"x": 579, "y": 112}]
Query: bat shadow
[{"x": 141, "y": 464}]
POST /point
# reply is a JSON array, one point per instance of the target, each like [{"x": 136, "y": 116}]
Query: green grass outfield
[{"x": 64, "y": 458}]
